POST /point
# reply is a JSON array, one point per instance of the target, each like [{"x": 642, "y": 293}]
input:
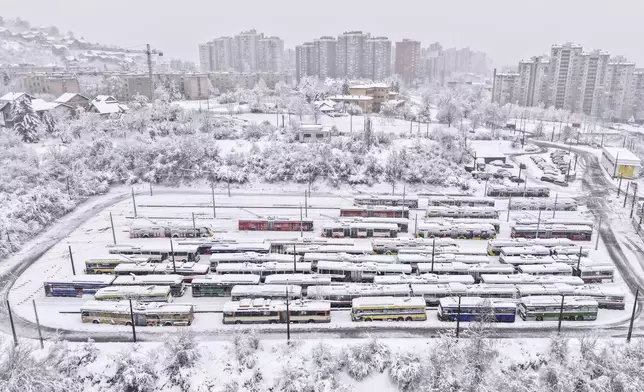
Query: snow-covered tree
[
  {"x": 388, "y": 112},
  {"x": 26, "y": 122},
  {"x": 134, "y": 370},
  {"x": 449, "y": 108},
  {"x": 6, "y": 79},
  {"x": 345, "y": 87},
  {"x": 406, "y": 371},
  {"x": 298, "y": 105},
  {"x": 314, "y": 110},
  {"x": 353, "y": 110},
  {"x": 182, "y": 354}
]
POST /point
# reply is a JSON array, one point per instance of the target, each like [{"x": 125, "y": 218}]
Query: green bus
[
  {"x": 540, "y": 308},
  {"x": 221, "y": 285}
]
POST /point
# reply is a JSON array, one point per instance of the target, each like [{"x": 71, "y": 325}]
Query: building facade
[
  {"x": 407, "y": 62},
  {"x": 325, "y": 54},
  {"x": 271, "y": 54},
  {"x": 350, "y": 54},
  {"x": 564, "y": 76},
  {"x": 377, "y": 58},
  {"x": 506, "y": 88},
  {"x": 305, "y": 64},
  {"x": 619, "y": 92}
]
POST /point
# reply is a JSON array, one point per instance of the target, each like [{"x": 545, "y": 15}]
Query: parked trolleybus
[
  {"x": 346, "y": 257},
  {"x": 145, "y": 314},
  {"x": 402, "y": 223},
  {"x": 303, "y": 280},
  {"x": 360, "y": 230},
  {"x": 272, "y": 291},
  {"x": 138, "y": 293},
  {"x": 249, "y": 257},
  {"x": 150, "y": 230},
  {"x": 221, "y": 285},
  {"x": 107, "y": 264},
  {"x": 462, "y": 212},
  {"x": 358, "y": 272},
  {"x": 263, "y": 270},
  {"x": 543, "y": 204},
  {"x": 375, "y": 211},
  {"x": 423, "y": 279},
  {"x": 531, "y": 279},
  {"x": 591, "y": 272},
  {"x": 606, "y": 297},
  {"x": 357, "y": 249},
  {"x": 459, "y": 201},
  {"x": 575, "y": 233},
  {"x": 517, "y": 191},
  {"x": 473, "y": 231},
  {"x": 245, "y": 247},
  {"x": 524, "y": 250},
  {"x": 476, "y": 309},
  {"x": 275, "y": 224},
  {"x": 76, "y": 286},
  {"x": 282, "y": 245},
  {"x": 392, "y": 201},
  {"x": 549, "y": 308},
  {"x": 388, "y": 308},
  {"x": 189, "y": 270},
  {"x": 158, "y": 252},
  {"x": 174, "y": 281},
  {"x": 494, "y": 246},
  {"x": 342, "y": 295},
  {"x": 545, "y": 269},
  {"x": 260, "y": 310},
  {"x": 393, "y": 245}
]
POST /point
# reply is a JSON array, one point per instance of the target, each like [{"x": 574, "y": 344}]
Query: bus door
[
  {"x": 328, "y": 233},
  {"x": 271, "y": 225},
  {"x": 369, "y": 233},
  {"x": 282, "y": 317},
  {"x": 353, "y": 232},
  {"x": 140, "y": 319}
]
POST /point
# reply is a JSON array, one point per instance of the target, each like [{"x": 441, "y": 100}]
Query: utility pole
[
  {"x": 630, "y": 327},
  {"x": 132, "y": 321},
  {"x": 619, "y": 188},
  {"x": 306, "y": 204},
  {"x": 150, "y": 189},
  {"x": 416, "y": 226},
  {"x": 560, "y": 314},
  {"x": 538, "y": 224},
  {"x": 194, "y": 226},
  {"x": 288, "y": 319},
  {"x": 579, "y": 262},
  {"x": 294, "y": 260},
  {"x": 134, "y": 202},
  {"x": 634, "y": 199},
  {"x": 554, "y": 210},
  {"x": 626, "y": 194},
  {"x": 42, "y": 344},
  {"x": 13, "y": 327},
  {"x": 404, "y": 189},
  {"x": 458, "y": 318},
  {"x": 486, "y": 180},
  {"x": 509, "y": 208},
  {"x": 174, "y": 266},
  {"x": 149, "y": 52},
  {"x": 71, "y": 259},
  {"x": 113, "y": 232},
  {"x": 433, "y": 252},
  {"x": 641, "y": 214},
  {"x": 598, "y": 228},
  {"x": 301, "y": 230}
]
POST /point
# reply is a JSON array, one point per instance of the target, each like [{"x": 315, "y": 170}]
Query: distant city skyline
[{"x": 503, "y": 29}]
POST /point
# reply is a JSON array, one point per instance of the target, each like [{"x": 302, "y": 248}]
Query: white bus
[
  {"x": 432, "y": 293},
  {"x": 472, "y": 231},
  {"x": 526, "y": 259},
  {"x": 360, "y": 230},
  {"x": 388, "y": 308},
  {"x": 531, "y": 279},
  {"x": 387, "y": 200},
  {"x": 359, "y": 272},
  {"x": 462, "y": 212},
  {"x": 281, "y": 245},
  {"x": 534, "y": 204},
  {"x": 476, "y": 270},
  {"x": 545, "y": 269},
  {"x": 423, "y": 279},
  {"x": 494, "y": 246},
  {"x": 274, "y": 291},
  {"x": 393, "y": 245},
  {"x": 455, "y": 268},
  {"x": 591, "y": 272},
  {"x": 459, "y": 201},
  {"x": 358, "y": 249},
  {"x": 606, "y": 297},
  {"x": 188, "y": 270},
  {"x": 174, "y": 281},
  {"x": 76, "y": 286},
  {"x": 555, "y": 221},
  {"x": 221, "y": 285},
  {"x": 543, "y": 308},
  {"x": 526, "y": 290},
  {"x": 145, "y": 314},
  {"x": 303, "y": 280},
  {"x": 138, "y": 293},
  {"x": 241, "y": 247},
  {"x": 534, "y": 250},
  {"x": 262, "y": 310},
  {"x": 496, "y": 291},
  {"x": 248, "y": 257},
  {"x": 263, "y": 270},
  {"x": 158, "y": 252},
  {"x": 151, "y": 230},
  {"x": 350, "y": 258},
  {"x": 402, "y": 223},
  {"x": 342, "y": 295}
]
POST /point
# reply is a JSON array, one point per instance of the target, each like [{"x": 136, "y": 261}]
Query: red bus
[
  {"x": 275, "y": 225},
  {"x": 375, "y": 211}
]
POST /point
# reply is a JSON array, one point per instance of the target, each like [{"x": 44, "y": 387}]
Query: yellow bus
[
  {"x": 138, "y": 293},
  {"x": 388, "y": 308},
  {"x": 267, "y": 311},
  {"x": 145, "y": 314},
  {"x": 106, "y": 265}
]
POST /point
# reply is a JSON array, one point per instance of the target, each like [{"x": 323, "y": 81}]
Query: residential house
[
  {"x": 312, "y": 133},
  {"x": 74, "y": 100},
  {"x": 106, "y": 105},
  {"x": 6, "y": 106}
]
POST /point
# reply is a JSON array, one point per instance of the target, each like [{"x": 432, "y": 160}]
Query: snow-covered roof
[
  {"x": 66, "y": 97},
  {"x": 40, "y": 105},
  {"x": 109, "y": 108},
  {"x": 488, "y": 148},
  {"x": 624, "y": 156},
  {"x": 350, "y": 98},
  {"x": 372, "y": 85},
  {"x": 310, "y": 127},
  {"x": 12, "y": 96},
  {"x": 105, "y": 98}
]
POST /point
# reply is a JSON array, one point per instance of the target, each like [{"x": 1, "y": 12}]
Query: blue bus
[
  {"x": 475, "y": 309},
  {"x": 76, "y": 286}
]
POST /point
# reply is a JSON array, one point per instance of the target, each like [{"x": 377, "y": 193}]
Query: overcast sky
[{"x": 507, "y": 30}]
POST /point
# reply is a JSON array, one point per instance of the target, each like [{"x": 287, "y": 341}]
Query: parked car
[
  {"x": 560, "y": 183},
  {"x": 508, "y": 166},
  {"x": 502, "y": 174},
  {"x": 496, "y": 163},
  {"x": 517, "y": 179},
  {"x": 547, "y": 179},
  {"x": 522, "y": 166}
]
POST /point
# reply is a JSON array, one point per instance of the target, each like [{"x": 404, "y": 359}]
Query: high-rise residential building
[
  {"x": 289, "y": 60},
  {"x": 326, "y": 57},
  {"x": 376, "y": 64},
  {"x": 591, "y": 82},
  {"x": 246, "y": 50},
  {"x": 350, "y": 54},
  {"x": 564, "y": 76},
  {"x": 223, "y": 52},
  {"x": 619, "y": 93},
  {"x": 506, "y": 88},
  {"x": 532, "y": 79},
  {"x": 638, "y": 95},
  {"x": 206, "y": 57},
  {"x": 407, "y": 63},
  {"x": 305, "y": 62},
  {"x": 270, "y": 54}
]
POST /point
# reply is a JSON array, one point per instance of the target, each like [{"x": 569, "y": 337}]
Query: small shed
[
  {"x": 312, "y": 132},
  {"x": 488, "y": 150},
  {"x": 620, "y": 162}
]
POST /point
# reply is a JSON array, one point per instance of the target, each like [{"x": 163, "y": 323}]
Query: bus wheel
[
  {"x": 539, "y": 318},
  {"x": 311, "y": 321},
  {"x": 96, "y": 322},
  {"x": 367, "y": 319},
  {"x": 409, "y": 319},
  {"x": 129, "y": 324},
  {"x": 400, "y": 319},
  {"x": 167, "y": 324},
  {"x": 580, "y": 318},
  {"x": 237, "y": 321}
]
